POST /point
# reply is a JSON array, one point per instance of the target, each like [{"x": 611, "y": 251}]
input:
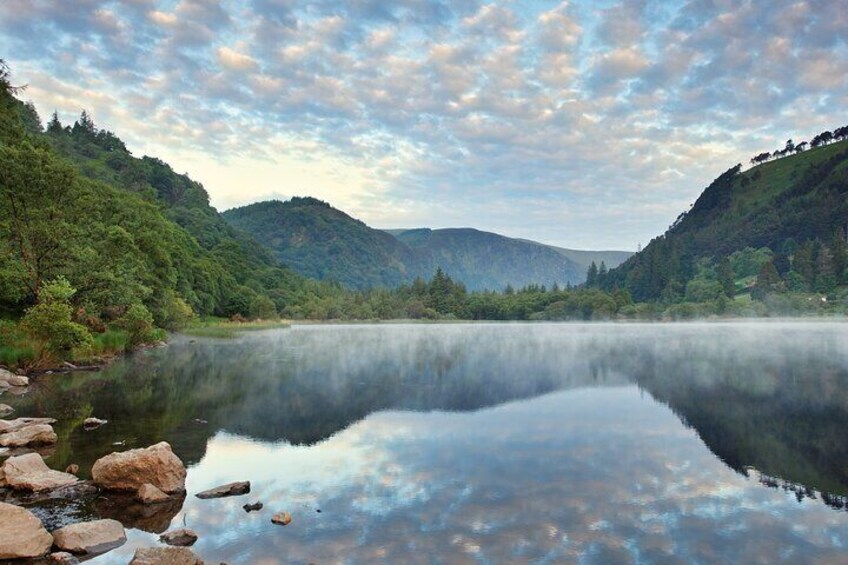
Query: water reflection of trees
[{"x": 769, "y": 397}]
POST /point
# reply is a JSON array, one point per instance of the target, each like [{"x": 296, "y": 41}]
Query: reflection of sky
[{"x": 593, "y": 475}]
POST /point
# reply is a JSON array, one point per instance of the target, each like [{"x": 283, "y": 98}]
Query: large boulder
[
  {"x": 230, "y": 489},
  {"x": 90, "y": 537},
  {"x": 165, "y": 556},
  {"x": 38, "y": 434},
  {"x": 130, "y": 470},
  {"x": 29, "y": 472},
  {"x": 21, "y": 534}
]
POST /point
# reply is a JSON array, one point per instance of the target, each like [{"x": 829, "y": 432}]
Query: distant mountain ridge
[{"x": 319, "y": 241}]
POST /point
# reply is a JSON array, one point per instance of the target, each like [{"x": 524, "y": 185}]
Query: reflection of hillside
[
  {"x": 778, "y": 405},
  {"x": 769, "y": 397}
]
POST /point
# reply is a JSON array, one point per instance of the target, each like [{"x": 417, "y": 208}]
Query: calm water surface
[{"x": 483, "y": 443}]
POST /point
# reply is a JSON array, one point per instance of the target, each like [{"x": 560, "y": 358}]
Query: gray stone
[
  {"x": 8, "y": 426},
  {"x": 231, "y": 489},
  {"x": 91, "y": 423},
  {"x": 5, "y": 410}
]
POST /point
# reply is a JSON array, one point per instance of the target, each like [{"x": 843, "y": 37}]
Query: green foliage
[
  {"x": 137, "y": 322},
  {"x": 49, "y": 322}
]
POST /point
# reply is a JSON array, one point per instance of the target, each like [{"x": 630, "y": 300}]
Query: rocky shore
[{"x": 140, "y": 488}]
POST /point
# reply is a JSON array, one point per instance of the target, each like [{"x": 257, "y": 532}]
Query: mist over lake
[{"x": 487, "y": 443}]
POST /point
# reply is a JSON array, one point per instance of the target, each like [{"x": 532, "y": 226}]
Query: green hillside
[
  {"x": 788, "y": 216},
  {"x": 321, "y": 242},
  {"x": 121, "y": 231},
  {"x": 324, "y": 243}
]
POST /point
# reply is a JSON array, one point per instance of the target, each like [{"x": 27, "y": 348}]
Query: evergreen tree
[
  {"x": 592, "y": 275},
  {"x": 54, "y": 126},
  {"x": 724, "y": 273}
]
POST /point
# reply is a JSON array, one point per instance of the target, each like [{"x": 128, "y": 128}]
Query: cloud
[
  {"x": 235, "y": 61},
  {"x": 553, "y": 122}
]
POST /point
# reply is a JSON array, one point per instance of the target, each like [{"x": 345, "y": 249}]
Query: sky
[{"x": 585, "y": 124}]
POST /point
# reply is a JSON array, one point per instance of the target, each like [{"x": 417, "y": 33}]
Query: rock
[
  {"x": 29, "y": 472},
  {"x": 251, "y": 507},
  {"x": 63, "y": 558},
  {"x": 8, "y": 426},
  {"x": 91, "y": 423},
  {"x": 165, "y": 556},
  {"x": 39, "y": 434},
  {"x": 11, "y": 379},
  {"x": 90, "y": 537},
  {"x": 231, "y": 489},
  {"x": 130, "y": 470},
  {"x": 149, "y": 494},
  {"x": 181, "y": 537},
  {"x": 72, "y": 469},
  {"x": 17, "y": 380},
  {"x": 281, "y": 518},
  {"x": 5, "y": 410},
  {"x": 21, "y": 534}
]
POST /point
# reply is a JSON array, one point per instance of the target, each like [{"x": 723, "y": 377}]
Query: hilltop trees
[{"x": 790, "y": 147}]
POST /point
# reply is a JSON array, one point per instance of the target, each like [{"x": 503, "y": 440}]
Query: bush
[
  {"x": 137, "y": 322},
  {"x": 49, "y": 322}
]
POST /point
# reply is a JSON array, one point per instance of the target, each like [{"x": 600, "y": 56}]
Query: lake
[{"x": 480, "y": 443}]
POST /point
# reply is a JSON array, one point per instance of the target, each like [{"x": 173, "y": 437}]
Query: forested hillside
[
  {"x": 120, "y": 231},
  {"x": 321, "y": 242},
  {"x": 779, "y": 226}
]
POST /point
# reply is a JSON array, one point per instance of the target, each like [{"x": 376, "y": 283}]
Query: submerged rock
[
  {"x": 98, "y": 536},
  {"x": 281, "y": 518},
  {"x": 22, "y": 535},
  {"x": 251, "y": 507},
  {"x": 149, "y": 494},
  {"x": 165, "y": 556},
  {"x": 38, "y": 434},
  {"x": 29, "y": 472},
  {"x": 180, "y": 537},
  {"x": 130, "y": 470},
  {"x": 231, "y": 489}
]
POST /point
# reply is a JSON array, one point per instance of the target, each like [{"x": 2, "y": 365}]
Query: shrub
[
  {"x": 137, "y": 322},
  {"x": 49, "y": 322}
]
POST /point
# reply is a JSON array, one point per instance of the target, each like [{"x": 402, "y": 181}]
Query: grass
[
  {"x": 775, "y": 177},
  {"x": 225, "y": 329}
]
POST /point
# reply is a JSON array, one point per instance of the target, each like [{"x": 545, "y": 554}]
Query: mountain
[
  {"x": 321, "y": 242},
  {"x": 785, "y": 220},
  {"x": 585, "y": 258},
  {"x": 488, "y": 261}
]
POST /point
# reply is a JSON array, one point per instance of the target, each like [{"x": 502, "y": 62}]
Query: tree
[
  {"x": 35, "y": 190},
  {"x": 724, "y": 273},
  {"x": 767, "y": 281},
  {"x": 54, "y": 126},
  {"x": 592, "y": 275}
]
